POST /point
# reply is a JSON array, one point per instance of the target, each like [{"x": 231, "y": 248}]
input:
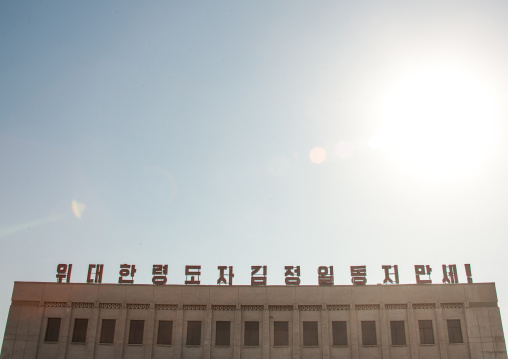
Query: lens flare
[
  {"x": 6, "y": 231},
  {"x": 78, "y": 208},
  {"x": 317, "y": 155},
  {"x": 343, "y": 150}
]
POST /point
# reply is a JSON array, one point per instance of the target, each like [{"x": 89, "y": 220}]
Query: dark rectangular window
[
  {"x": 137, "y": 327},
  {"x": 79, "y": 333},
  {"x": 280, "y": 333},
  {"x": 52, "y": 330},
  {"x": 251, "y": 334},
  {"x": 398, "y": 332},
  {"x": 454, "y": 331},
  {"x": 426, "y": 332},
  {"x": 339, "y": 332},
  {"x": 222, "y": 333},
  {"x": 107, "y": 331},
  {"x": 369, "y": 333},
  {"x": 193, "y": 333},
  {"x": 310, "y": 334},
  {"x": 165, "y": 332}
]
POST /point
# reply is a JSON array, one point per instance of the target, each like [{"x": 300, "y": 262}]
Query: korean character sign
[
  {"x": 395, "y": 273},
  {"x": 325, "y": 275},
  {"x": 127, "y": 270},
  {"x": 63, "y": 271},
  {"x": 159, "y": 273},
  {"x": 257, "y": 278},
  {"x": 468, "y": 273},
  {"x": 222, "y": 275},
  {"x": 97, "y": 276},
  {"x": 423, "y": 270},
  {"x": 292, "y": 275},
  {"x": 359, "y": 275},
  {"x": 193, "y": 272},
  {"x": 450, "y": 274}
]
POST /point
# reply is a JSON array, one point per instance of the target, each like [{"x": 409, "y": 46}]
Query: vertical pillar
[
  {"x": 66, "y": 330},
  {"x": 148, "y": 343},
  {"x": 237, "y": 333},
  {"x": 412, "y": 327},
  {"x": 42, "y": 331},
  {"x": 296, "y": 333},
  {"x": 440, "y": 329},
  {"x": 208, "y": 333},
  {"x": 11, "y": 331},
  {"x": 154, "y": 328},
  {"x": 121, "y": 335},
  {"x": 473, "y": 332},
  {"x": 35, "y": 332},
  {"x": 384, "y": 328},
  {"x": 178, "y": 332},
  {"x": 94, "y": 329},
  {"x": 325, "y": 333},
  {"x": 265, "y": 339},
  {"x": 355, "y": 343}
]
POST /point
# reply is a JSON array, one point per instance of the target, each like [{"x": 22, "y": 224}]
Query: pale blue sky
[{"x": 185, "y": 128}]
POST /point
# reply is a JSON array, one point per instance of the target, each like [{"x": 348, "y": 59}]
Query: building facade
[{"x": 51, "y": 320}]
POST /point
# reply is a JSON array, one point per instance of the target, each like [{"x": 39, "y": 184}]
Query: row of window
[{"x": 251, "y": 332}]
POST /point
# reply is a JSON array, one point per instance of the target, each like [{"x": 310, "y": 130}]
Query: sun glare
[{"x": 438, "y": 124}]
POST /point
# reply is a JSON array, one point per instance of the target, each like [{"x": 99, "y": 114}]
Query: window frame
[
  {"x": 192, "y": 333},
  {"x": 134, "y": 332},
  {"x": 79, "y": 331},
  {"x": 165, "y": 332},
  {"x": 251, "y": 333},
  {"x": 280, "y": 333},
  {"x": 226, "y": 333},
  {"x": 51, "y": 329},
  {"x": 366, "y": 340},
  {"x": 312, "y": 331},
  {"x": 426, "y": 333},
  {"x": 452, "y": 333},
  {"x": 400, "y": 332},
  {"x": 337, "y": 331},
  {"x": 105, "y": 331}
]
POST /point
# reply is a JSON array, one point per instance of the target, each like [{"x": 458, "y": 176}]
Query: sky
[{"x": 323, "y": 133}]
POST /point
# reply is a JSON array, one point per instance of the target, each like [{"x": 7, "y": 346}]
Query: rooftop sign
[{"x": 325, "y": 275}]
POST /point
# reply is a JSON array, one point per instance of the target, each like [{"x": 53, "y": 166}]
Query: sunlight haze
[{"x": 310, "y": 133}]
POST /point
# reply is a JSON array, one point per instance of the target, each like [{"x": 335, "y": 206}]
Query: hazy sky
[{"x": 191, "y": 132}]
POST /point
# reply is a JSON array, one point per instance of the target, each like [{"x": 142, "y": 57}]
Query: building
[{"x": 417, "y": 321}]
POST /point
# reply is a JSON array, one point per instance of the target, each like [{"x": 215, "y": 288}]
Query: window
[
  {"x": 310, "y": 334},
  {"x": 280, "y": 333},
  {"x": 165, "y": 332},
  {"x": 52, "y": 330},
  {"x": 107, "y": 331},
  {"x": 136, "y": 331},
  {"x": 251, "y": 334},
  {"x": 79, "y": 333},
  {"x": 454, "y": 331},
  {"x": 222, "y": 333},
  {"x": 426, "y": 332},
  {"x": 398, "y": 333},
  {"x": 339, "y": 332},
  {"x": 193, "y": 333},
  {"x": 369, "y": 333}
]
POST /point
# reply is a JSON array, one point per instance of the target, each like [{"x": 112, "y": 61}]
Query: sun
[{"x": 438, "y": 124}]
